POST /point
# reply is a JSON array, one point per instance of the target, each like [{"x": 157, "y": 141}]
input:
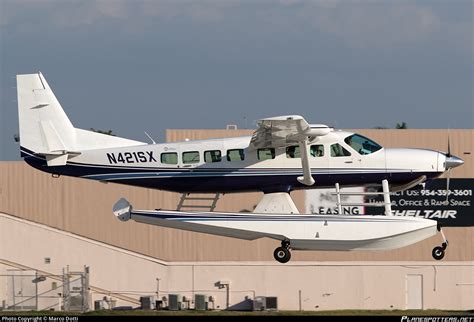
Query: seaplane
[{"x": 284, "y": 154}]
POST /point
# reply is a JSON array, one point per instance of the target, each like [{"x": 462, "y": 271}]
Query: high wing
[{"x": 283, "y": 131}]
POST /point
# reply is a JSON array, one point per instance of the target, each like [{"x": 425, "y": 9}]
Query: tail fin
[{"x": 45, "y": 128}]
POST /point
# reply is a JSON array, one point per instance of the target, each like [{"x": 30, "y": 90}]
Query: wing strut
[{"x": 307, "y": 178}]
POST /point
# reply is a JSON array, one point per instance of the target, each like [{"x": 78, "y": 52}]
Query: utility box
[
  {"x": 99, "y": 305},
  {"x": 265, "y": 303},
  {"x": 201, "y": 302},
  {"x": 146, "y": 302},
  {"x": 174, "y": 302},
  {"x": 259, "y": 303},
  {"x": 158, "y": 305},
  {"x": 271, "y": 303}
]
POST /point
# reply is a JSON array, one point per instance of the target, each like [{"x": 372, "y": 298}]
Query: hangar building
[{"x": 53, "y": 229}]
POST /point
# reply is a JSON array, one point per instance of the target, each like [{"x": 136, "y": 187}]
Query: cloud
[
  {"x": 111, "y": 8},
  {"x": 355, "y": 23},
  {"x": 358, "y": 24},
  {"x": 374, "y": 24}
]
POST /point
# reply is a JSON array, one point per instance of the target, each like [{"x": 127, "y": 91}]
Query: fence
[{"x": 28, "y": 290}]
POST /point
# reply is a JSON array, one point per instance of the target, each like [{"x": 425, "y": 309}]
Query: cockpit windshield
[{"x": 362, "y": 144}]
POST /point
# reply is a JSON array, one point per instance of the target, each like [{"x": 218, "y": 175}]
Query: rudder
[{"x": 44, "y": 126}]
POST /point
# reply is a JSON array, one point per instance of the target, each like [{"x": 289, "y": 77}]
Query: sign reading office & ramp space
[{"x": 429, "y": 202}]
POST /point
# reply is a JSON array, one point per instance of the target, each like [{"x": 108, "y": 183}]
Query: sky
[{"x": 135, "y": 66}]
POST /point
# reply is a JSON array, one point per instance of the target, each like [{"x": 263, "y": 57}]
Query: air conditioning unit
[
  {"x": 76, "y": 302},
  {"x": 185, "y": 303},
  {"x": 200, "y": 302},
  {"x": 271, "y": 303},
  {"x": 259, "y": 303},
  {"x": 99, "y": 305},
  {"x": 174, "y": 302},
  {"x": 265, "y": 303},
  {"x": 158, "y": 305},
  {"x": 147, "y": 302}
]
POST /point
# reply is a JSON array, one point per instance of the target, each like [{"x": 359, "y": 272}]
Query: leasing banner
[{"x": 429, "y": 202}]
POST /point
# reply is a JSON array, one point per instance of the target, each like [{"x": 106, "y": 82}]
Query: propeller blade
[
  {"x": 447, "y": 185},
  {"x": 449, "y": 144}
]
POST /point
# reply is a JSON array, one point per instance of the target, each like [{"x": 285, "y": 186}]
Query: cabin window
[
  {"x": 212, "y": 156},
  {"x": 317, "y": 150},
  {"x": 235, "y": 155},
  {"x": 190, "y": 157},
  {"x": 169, "y": 158},
  {"x": 362, "y": 144},
  {"x": 266, "y": 154},
  {"x": 293, "y": 152},
  {"x": 338, "y": 150}
]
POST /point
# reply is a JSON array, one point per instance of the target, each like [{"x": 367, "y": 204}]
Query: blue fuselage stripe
[{"x": 225, "y": 179}]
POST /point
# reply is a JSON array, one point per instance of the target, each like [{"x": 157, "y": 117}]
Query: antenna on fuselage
[{"x": 153, "y": 141}]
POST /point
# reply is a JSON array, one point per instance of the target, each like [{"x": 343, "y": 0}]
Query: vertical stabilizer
[{"x": 44, "y": 126}]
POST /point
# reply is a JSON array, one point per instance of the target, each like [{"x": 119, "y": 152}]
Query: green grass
[{"x": 243, "y": 313}]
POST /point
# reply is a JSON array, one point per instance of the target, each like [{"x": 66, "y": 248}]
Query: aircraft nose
[{"x": 453, "y": 162}]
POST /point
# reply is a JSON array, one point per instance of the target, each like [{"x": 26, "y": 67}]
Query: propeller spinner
[{"x": 450, "y": 163}]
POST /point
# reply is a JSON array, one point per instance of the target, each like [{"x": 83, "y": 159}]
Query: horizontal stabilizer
[{"x": 55, "y": 160}]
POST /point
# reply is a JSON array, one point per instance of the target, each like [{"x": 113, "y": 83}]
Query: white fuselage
[{"x": 189, "y": 166}]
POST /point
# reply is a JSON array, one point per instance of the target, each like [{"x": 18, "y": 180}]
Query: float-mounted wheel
[
  {"x": 285, "y": 244},
  {"x": 282, "y": 254},
  {"x": 438, "y": 252}
]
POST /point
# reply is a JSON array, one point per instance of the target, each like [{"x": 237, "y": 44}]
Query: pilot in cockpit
[{"x": 317, "y": 150}]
